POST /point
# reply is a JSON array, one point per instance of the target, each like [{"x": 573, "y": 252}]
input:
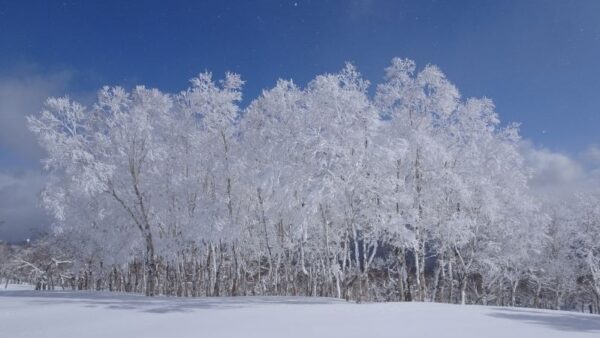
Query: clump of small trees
[
  {"x": 412, "y": 193},
  {"x": 41, "y": 263}
]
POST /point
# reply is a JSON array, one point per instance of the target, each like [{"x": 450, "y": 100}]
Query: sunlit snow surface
[{"x": 66, "y": 314}]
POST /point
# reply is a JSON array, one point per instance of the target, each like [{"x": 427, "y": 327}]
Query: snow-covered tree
[{"x": 412, "y": 193}]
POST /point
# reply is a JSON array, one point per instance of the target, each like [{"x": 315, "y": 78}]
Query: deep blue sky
[{"x": 538, "y": 60}]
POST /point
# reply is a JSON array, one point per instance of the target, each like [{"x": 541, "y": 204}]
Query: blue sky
[{"x": 538, "y": 60}]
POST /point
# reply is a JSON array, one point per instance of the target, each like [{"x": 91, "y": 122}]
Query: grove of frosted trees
[{"x": 407, "y": 192}]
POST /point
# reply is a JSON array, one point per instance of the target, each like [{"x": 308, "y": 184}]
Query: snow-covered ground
[{"x": 66, "y": 314}]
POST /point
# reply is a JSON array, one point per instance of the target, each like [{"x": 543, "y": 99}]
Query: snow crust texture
[{"x": 66, "y": 314}]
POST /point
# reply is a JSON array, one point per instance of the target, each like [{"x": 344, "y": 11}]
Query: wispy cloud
[
  {"x": 21, "y": 96},
  {"x": 591, "y": 156},
  {"x": 556, "y": 174},
  {"x": 20, "y": 213},
  {"x": 21, "y": 178}
]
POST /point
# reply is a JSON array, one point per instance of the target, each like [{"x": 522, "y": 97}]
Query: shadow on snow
[
  {"x": 559, "y": 320},
  {"x": 159, "y": 304}
]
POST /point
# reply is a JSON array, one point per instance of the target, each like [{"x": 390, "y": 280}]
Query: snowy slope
[{"x": 25, "y": 313}]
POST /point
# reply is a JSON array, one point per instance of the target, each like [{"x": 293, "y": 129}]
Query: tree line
[{"x": 405, "y": 193}]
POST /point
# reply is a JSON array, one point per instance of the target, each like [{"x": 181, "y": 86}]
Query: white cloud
[
  {"x": 591, "y": 155},
  {"x": 555, "y": 174},
  {"x": 19, "y": 211},
  {"x": 21, "y": 96},
  {"x": 550, "y": 167},
  {"x": 20, "y": 175}
]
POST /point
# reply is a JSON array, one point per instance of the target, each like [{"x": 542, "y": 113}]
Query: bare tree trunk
[
  {"x": 463, "y": 289},
  {"x": 436, "y": 274},
  {"x": 513, "y": 293},
  {"x": 150, "y": 266},
  {"x": 450, "y": 282},
  {"x": 401, "y": 274},
  {"x": 419, "y": 247}
]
